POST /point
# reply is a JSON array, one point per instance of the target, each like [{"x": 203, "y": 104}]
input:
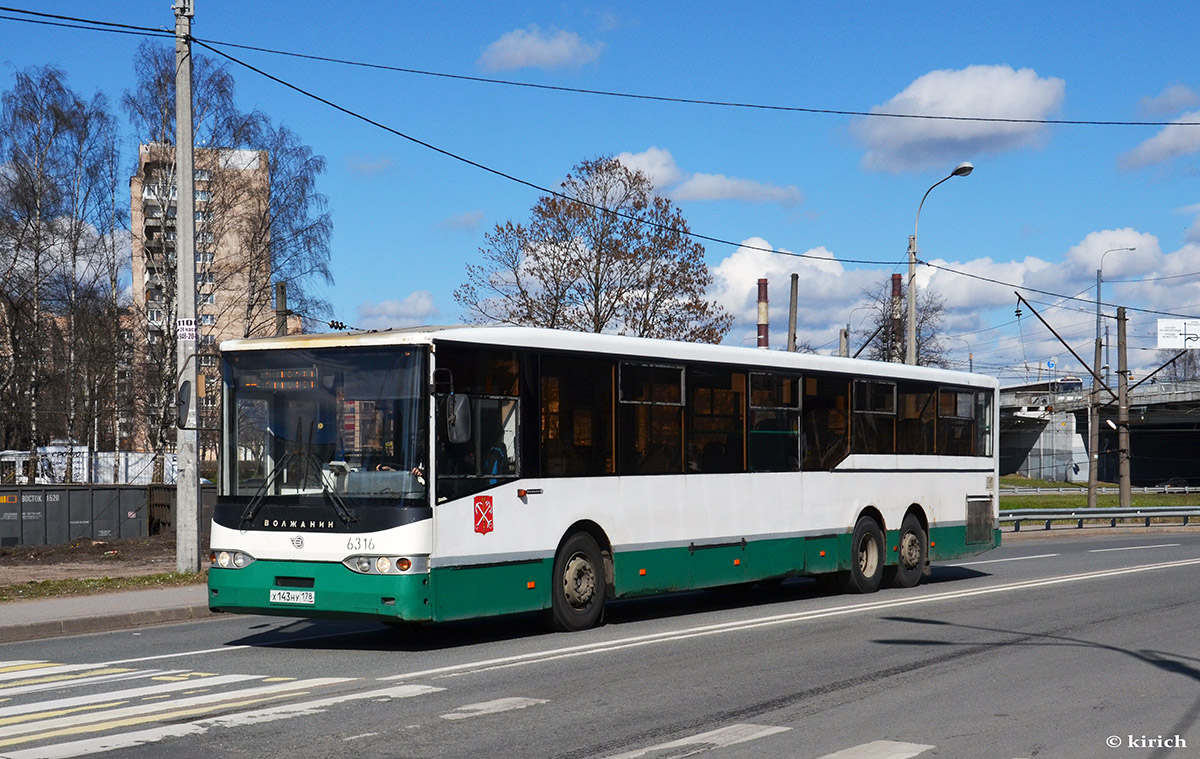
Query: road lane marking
[
  {"x": 130, "y": 675},
  {"x": 1134, "y": 548},
  {"x": 720, "y": 738},
  {"x": 587, "y": 649},
  {"x": 881, "y": 750},
  {"x": 492, "y": 707},
  {"x": 147, "y": 712},
  {"x": 998, "y": 561},
  {"x": 153, "y": 735},
  {"x": 131, "y": 693},
  {"x": 46, "y": 669},
  {"x": 19, "y": 665}
]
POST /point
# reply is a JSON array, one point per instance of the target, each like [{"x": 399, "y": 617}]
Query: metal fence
[
  {"x": 1143, "y": 515},
  {"x": 1104, "y": 491}
]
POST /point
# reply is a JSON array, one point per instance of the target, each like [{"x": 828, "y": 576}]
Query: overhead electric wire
[
  {"x": 532, "y": 185},
  {"x": 587, "y": 91}
]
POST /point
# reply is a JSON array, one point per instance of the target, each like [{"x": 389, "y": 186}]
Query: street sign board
[
  {"x": 1178, "y": 334},
  {"x": 185, "y": 330}
]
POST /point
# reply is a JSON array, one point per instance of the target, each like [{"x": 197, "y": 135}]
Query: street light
[
  {"x": 970, "y": 353},
  {"x": 910, "y": 357},
  {"x": 844, "y": 348}
]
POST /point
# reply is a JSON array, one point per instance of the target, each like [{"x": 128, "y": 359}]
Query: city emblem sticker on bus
[{"x": 483, "y": 514}]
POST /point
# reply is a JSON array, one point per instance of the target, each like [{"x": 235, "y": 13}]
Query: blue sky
[{"x": 1044, "y": 203}]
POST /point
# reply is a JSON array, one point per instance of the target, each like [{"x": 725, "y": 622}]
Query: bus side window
[
  {"x": 576, "y": 437},
  {"x": 826, "y": 402},
  {"x": 774, "y": 434},
  {"x": 716, "y": 426}
]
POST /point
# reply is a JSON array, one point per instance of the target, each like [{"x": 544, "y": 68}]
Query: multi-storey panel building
[{"x": 233, "y": 271}]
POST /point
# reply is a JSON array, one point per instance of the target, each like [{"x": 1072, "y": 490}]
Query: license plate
[{"x": 293, "y": 597}]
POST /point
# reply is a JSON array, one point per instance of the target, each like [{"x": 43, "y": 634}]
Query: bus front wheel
[
  {"x": 866, "y": 558},
  {"x": 578, "y": 584}
]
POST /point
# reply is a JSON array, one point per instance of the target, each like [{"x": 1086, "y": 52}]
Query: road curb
[{"x": 103, "y": 623}]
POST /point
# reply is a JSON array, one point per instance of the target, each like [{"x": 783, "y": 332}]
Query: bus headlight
[
  {"x": 230, "y": 559},
  {"x": 387, "y": 565}
]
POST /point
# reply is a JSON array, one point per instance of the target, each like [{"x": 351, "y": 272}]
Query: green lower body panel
[
  {"x": 463, "y": 592},
  {"x": 489, "y": 590},
  {"x": 337, "y": 592},
  {"x": 645, "y": 572}
]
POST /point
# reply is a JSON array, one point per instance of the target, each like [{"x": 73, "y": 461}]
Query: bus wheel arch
[
  {"x": 581, "y": 580},
  {"x": 867, "y": 554}
]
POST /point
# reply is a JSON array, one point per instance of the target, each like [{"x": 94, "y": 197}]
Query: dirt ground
[{"x": 86, "y": 559}]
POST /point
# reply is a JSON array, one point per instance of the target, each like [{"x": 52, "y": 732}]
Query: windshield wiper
[
  {"x": 260, "y": 496},
  {"x": 339, "y": 503},
  {"x": 343, "y": 511}
]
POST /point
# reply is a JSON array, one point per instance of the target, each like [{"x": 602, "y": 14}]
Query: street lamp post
[
  {"x": 910, "y": 357},
  {"x": 970, "y": 353}
]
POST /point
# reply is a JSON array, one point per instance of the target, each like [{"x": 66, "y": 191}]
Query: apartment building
[{"x": 232, "y": 257}]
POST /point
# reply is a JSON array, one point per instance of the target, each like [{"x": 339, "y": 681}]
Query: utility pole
[
  {"x": 187, "y": 454},
  {"x": 1123, "y": 411}
]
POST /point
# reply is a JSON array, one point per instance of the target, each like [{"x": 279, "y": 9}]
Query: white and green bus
[{"x": 432, "y": 474}]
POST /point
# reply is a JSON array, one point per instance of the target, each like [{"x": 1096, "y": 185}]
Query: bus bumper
[{"x": 319, "y": 590}]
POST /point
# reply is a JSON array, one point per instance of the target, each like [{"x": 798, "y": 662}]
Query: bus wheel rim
[
  {"x": 867, "y": 556},
  {"x": 579, "y": 581},
  {"x": 910, "y": 550}
]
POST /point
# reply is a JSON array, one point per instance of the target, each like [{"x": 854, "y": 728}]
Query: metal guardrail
[
  {"x": 1144, "y": 514},
  {"x": 1103, "y": 491}
]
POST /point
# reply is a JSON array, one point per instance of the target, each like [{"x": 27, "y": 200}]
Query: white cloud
[
  {"x": 656, "y": 163},
  {"x": 660, "y": 166},
  {"x": 418, "y": 308},
  {"x": 1094, "y": 249},
  {"x": 468, "y": 221},
  {"x": 1172, "y": 142},
  {"x": 721, "y": 187},
  {"x": 827, "y": 291},
  {"x": 1171, "y": 100},
  {"x": 531, "y": 48},
  {"x": 903, "y": 144}
]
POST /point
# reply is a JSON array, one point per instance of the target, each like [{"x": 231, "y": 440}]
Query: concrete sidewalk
[{"x": 102, "y": 612}]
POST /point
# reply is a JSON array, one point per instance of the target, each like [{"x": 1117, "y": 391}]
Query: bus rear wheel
[
  {"x": 578, "y": 584},
  {"x": 866, "y": 558},
  {"x": 912, "y": 554}
]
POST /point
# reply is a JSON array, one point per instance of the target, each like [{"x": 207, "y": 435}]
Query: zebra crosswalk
[{"x": 51, "y": 710}]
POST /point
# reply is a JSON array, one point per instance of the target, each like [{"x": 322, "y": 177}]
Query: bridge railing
[{"x": 1144, "y": 515}]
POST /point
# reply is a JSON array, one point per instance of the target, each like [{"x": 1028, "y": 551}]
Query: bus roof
[{"x": 618, "y": 345}]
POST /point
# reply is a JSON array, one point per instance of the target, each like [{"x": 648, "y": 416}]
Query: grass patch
[{"x": 92, "y": 586}]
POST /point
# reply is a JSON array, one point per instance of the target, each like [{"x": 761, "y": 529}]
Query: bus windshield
[{"x": 346, "y": 422}]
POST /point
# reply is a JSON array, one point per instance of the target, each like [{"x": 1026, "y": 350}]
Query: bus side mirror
[{"x": 458, "y": 419}]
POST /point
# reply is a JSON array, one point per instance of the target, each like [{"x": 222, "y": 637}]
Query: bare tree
[
  {"x": 1186, "y": 368},
  {"x": 885, "y": 327},
  {"x": 604, "y": 255},
  {"x": 33, "y": 122}
]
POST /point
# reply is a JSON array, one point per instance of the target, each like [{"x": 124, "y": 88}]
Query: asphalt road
[{"x": 1053, "y": 645}]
